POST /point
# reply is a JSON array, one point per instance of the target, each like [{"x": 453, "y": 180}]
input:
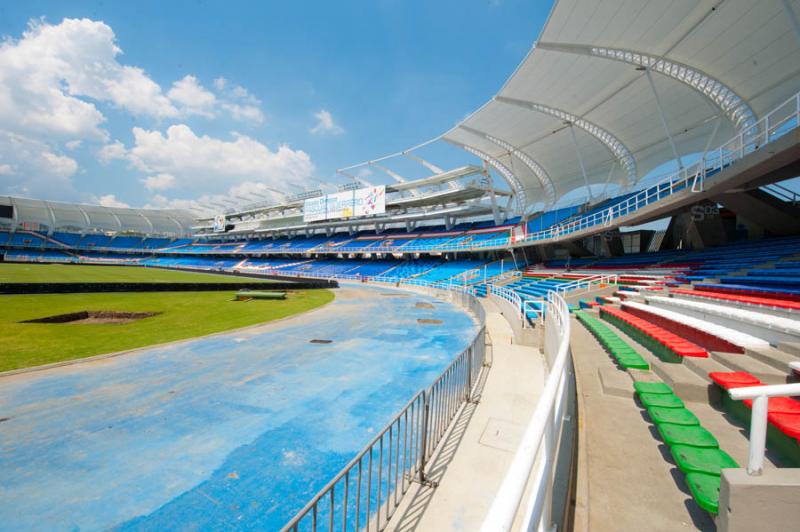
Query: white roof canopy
[
  {"x": 57, "y": 215},
  {"x": 614, "y": 89}
]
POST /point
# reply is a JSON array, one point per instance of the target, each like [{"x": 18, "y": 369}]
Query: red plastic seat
[
  {"x": 680, "y": 346},
  {"x": 734, "y": 379},
  {"x": 753, "y": 300},
  {"x": 789, "y": 424},
  {"x": 779, "y": 405}
]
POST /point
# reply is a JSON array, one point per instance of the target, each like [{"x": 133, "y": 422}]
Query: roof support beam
[
  {"x": 430, "y": 166},
  {"x": 513, "y": 181},
  {"x": 791, "y": 16},
  {"x": 614, "y": 145},
  {"x": 391, "y": 173},
  {"x": 541, "y": 174},
  {"x": 733, "y": 106},
  {"x": 580, "y": 161},
  {"x": 664, "y": 119}
]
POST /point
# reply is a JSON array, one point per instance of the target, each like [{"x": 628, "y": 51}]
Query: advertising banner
[
  {"x": 219, "y": 223},
  {"x": 348, "y": 204}
]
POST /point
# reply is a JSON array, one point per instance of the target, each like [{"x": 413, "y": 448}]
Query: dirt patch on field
[
  {"x": 422, "y": 304},
  {"x": 94, "y": 316}
]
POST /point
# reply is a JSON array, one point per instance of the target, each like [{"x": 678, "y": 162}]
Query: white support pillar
[
  {"x": 580, "y": 160},
  {"x": 663, "y": 118},
  {"x": 492, "y": 195}
]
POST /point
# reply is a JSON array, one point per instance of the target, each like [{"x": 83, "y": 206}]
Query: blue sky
[{"x": 157, "y": 103}]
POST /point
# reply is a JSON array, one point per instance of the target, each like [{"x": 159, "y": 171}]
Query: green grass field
[
  {"x": 183, "y": 314},
  {"x": 73, "y": 273}
]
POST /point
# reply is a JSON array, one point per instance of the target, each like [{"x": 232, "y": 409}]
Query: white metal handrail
[
  {"x": 758, "y": 418},
  {"x": 540, "y": 441}
]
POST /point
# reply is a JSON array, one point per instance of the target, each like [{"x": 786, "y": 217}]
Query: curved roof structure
[
  {"x": 614, "y": 89},
  {"x": 57, "y": 215}
]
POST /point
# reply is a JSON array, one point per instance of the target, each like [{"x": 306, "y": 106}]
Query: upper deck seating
[{"x": 25, "y": 239}]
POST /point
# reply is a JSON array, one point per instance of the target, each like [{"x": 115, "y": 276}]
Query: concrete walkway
[{"x": 475, "y": 455}]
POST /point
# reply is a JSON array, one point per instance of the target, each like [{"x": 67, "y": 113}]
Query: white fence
[{"x": 534, "y": 462}]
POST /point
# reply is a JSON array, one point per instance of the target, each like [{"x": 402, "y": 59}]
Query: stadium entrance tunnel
[{"x": 94, "y": 316}]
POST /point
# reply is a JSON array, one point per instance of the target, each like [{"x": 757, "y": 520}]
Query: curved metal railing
[{"x": 365, "y": 494}]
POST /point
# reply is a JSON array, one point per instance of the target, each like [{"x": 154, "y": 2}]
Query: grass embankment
[
  {"x": 183, "y": 315},
  {"x": 74, "y": 273}
]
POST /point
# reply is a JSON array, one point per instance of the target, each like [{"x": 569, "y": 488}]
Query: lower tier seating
[
  {"x": 624, "y": 354},
  {"x": 663, "y": 343},
  {"x": 705, "y": 334},
  {"x": 783, "y": 414},
  {"x": 766, "y": 326},
  {"x": 741, "y": 298}
]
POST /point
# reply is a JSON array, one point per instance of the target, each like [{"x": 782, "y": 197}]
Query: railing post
[
  {"x": 758, "y": 435},
  {"x": 423, "y": 441},
  {"x": 468, "y": 391}
]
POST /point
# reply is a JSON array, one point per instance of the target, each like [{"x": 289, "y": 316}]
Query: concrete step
[
  {"x": 791, "y": 348},
  {"x": 760, "y": 370},
  {"x": 777, "y": 358},
  {"x": 686, "y": 384}
]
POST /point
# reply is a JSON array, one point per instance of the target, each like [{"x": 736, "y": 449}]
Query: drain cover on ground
[
  {"x": 318, "y": 341},
  {"x": 428, "y": 321}
]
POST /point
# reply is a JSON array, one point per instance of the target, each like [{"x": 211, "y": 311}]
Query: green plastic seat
[
  {"x": 633, "y": 363},
  {"x": 691, "y": 435},
  {"x": 700, "y": 460},
  {"x": 664, "y": 400},
  {"x": 705, "y": 490},
  {"x": 676, "y": 416},
  {"x": 651, "y": 387}
]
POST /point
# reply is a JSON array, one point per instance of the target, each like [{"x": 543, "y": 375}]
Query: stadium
[{"x": 576, "y": 309}]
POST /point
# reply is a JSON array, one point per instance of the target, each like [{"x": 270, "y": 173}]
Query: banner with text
[{"x": 348, "y": 204}]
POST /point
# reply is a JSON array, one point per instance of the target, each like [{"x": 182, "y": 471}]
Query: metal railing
[
  {"x": 510, "y": 296},
  {"x": 540, "y": 442},
  {"x": 758, "y": 418},
  {"x": 366, "y": 493}
]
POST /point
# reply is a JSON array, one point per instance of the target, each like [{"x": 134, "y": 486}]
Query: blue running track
[{"x": 234, "y": 431}]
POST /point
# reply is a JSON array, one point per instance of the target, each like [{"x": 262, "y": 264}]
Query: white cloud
[
  {"x": 110, "y": 200},
  {"x": 110, "y": 152},
  {"x": 31, "y": 167},
  {"x": 159, "y": 182},
  {"x": 73, "y": 144},
  {"x": 220, "y": 83},
  {"x": 44, "y": 74},
  {"x": 253, "y": 191},
  {"x": 244, "y": 113},
  {"x": 212, "y": 164},
  {"x": 193, "y": 97},
  {"x": 326, "y": 124}
]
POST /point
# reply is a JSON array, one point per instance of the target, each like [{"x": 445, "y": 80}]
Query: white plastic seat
[
  {"x": 733, "y": 336},
  {"x": 769, "y": 327}
]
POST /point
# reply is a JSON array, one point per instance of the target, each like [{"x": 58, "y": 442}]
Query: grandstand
[{"x": 605, "y": 344}]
